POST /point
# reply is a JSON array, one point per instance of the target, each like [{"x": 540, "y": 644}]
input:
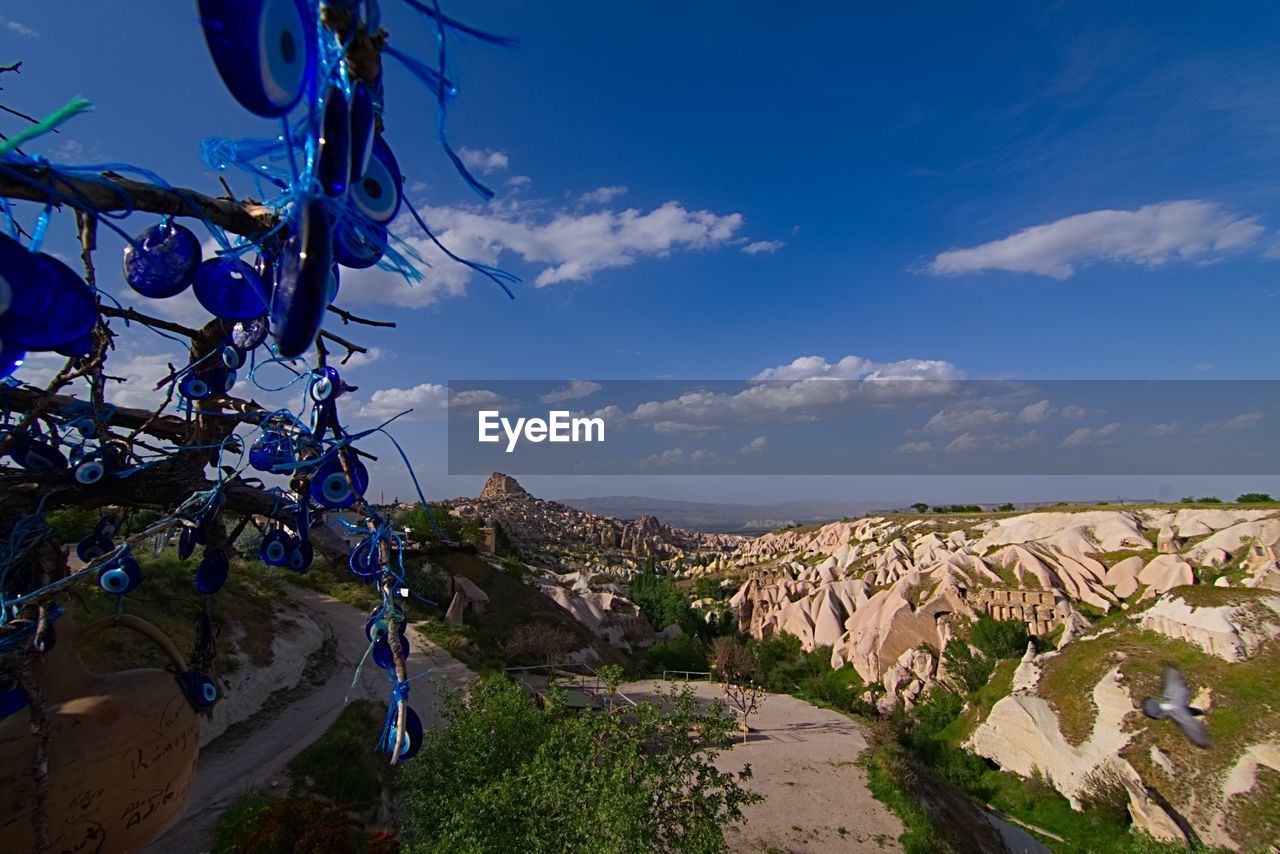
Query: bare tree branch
[
  {"x": 348, "y": 317},
  {"x": 108, "y": 192}
]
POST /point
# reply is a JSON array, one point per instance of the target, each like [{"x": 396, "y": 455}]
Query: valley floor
[{"x": 804, "y": 761}]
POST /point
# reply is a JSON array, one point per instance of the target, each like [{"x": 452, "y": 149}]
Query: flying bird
[{"x": 1174, "y": 706}]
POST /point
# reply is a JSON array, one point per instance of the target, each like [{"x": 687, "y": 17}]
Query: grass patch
[
  {"x": 889, "y": 779},
  {"x": 1208, "y": 596},
  {"x": 981, "y": 702},
  {"x": 342, "y": 765},
  {"x": 244, "y": 609}
]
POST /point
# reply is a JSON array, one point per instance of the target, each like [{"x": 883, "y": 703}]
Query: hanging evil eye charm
[
  {"x": 358, "y": 245},
  {"x": 330, "y": 486},
  {"x": 263, "y": 50},
  {"x": 248, "y": 334},
  {"x": 37, "y": 456},
  {"x": 230, "y": 289},
  {"x": 92, "y": 469},
  {"x": 108, "y": 526},
  {"x": 200, "y": 690},
  {"x": 21, "y": 295},
  {"x": 191, "y": 536},
  {"x": 162, "y": 261},
  {"x": 363, "y": 122},
  {"x": 93, "y": 547},
  {"x": 326, "y": 384},
  {"x": 300, "y": 556},
  {"x": 10, "y": 360},
  {"x": 375, "y": 626},
  {"x": 195, "y": 387},
  {"x": 68, "y": 315},
  {"x": 233, "y": 356},
  {"x": 378, "y": 192},
  {"x": 413, "y": 733},
  {"x": 364, "y": 562},
  {"x": 81, "y": 347},
  {"x": 121, "y": 577},
  {"x": 212, "y": 572},
  {"x": 276, "y": 547},
  {"x": 333, "y": 167},
  {"x": 301, "y": 294},
  {"x": 302, "y": 519}
]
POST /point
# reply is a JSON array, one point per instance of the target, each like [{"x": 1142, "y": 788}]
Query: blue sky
[{"x": 884, "y": 166}]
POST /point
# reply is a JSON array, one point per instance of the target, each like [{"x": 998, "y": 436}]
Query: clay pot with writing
[{"x": 122, "y": 750}]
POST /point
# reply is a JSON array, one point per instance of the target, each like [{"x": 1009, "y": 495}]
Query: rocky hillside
[
  {"x": 578, "y": 540},
  {"x": 1117, "y": 592}
]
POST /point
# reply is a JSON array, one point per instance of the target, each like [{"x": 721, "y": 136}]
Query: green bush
[
  {"x": 973, "y": 670},
  {"x": 503, "y": 775},
  {"x": 341, "y": 765},
  {"x": 683, "y": 653},
  {"x": 707, "y": 588},
  {"x": 254, "y": 824},
  {"x": 661, "y": 601},
  {"x": 999, "y": 638},
  {"x": 1255, "y": 498}
]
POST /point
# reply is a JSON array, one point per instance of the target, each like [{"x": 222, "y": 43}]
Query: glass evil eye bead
[
  {"x": 121, "y": 577},
  {"x": 162, "y": 261},
  {"x": 108, "y": 526},
  {"x": 300, "y": 556},
  {"x": 364, "y": 563},
  {"x": 21, "y": 294},
  {"x": 212, "y": 572},
  {"x": 69, "y": 314},
  {"x": 191, "y": 537},
  {"x": 230, "y": 289},
  {"x": 276, "y": 548},
  {"x": 92, "y": 469},
  {"x": 326, "y": 385},
  {"x": 262, "y": 48},
  {"x": 10, "y": 360},
  {"x": 358, "y": 245},
  {"x": 302, "y": 289},
  {"x": 412, "y": 741},
  {"x": 333, "y": 167},
  {"x": 378, "y": 193},
  {"x": 93, "y": 547},
  {"x": 36, "y": 456},
  {"x": 330, "y": 486},
  {"x": 195, "y": 387},
  {"x": 363, "y": 123},
  {"x": 248, "y": 334},
  {"x": 81, "y": 347},
  {"x": 200, "y": 690},
  {"x": 232, "y": 356}
]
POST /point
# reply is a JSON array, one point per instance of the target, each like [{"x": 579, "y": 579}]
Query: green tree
[
  {"x": 503, "y": 775},
  {"x": 1005, "y": 508},
  {"x": 919, "y": 507},
  {"x": 1255, "y": 498},
  {"x": 661, "y": 601},
  {"x": 1000, "y": 638},
  {"x": 707, "y": 588},
  {"x": 972, "y": 669}
]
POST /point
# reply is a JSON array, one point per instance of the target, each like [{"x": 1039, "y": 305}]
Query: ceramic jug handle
[{"x": 142, "y": 627}]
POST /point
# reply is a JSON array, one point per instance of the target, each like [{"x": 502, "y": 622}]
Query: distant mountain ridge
[{"x": 721, "y": 518}]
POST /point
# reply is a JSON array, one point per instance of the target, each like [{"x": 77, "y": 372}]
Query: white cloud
[
  {"x": 575, "y": 390},
  {"x": 914, "y": 448},
  {"x": 486, "y": 161},
  {"x": 1152, "y": 236},
  {"x": 1091, "y": 436},
  {"x": 19, "y": 28},
  {"x": 602, "y": 195},
  {"x": 567, "y": 245},
  {"x": 519, "y": 181},
  {"x": 1014, "y": 443},
  {"x": 1240, "y": 422},
  {"x": 359, "y": 360},
  {"x": 858, "y": 368},
  {"x": 766, "y": 246},
  {"x": 664, "y": 460},
  {"x": 962, "y": 443},
  {"x": 1035, "y": 413},
  {"x": 1164, "y": 429},
  {"x": 427, "y": 400},
  {"x": 957, "y": 420},
  {"x": 703, "y": 458},
  {"x": 797, "y": 392},
  {"x": 755, "y": 446}
]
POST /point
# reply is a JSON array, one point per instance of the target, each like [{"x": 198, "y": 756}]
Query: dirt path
[
  {"x": 256, "y": 756},
  {"x": 803, "y": 760}
]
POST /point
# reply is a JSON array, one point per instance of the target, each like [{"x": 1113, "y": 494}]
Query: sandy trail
[
  {"x": 258, "y": 758},
  {"x": 803, "y": 760}
]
